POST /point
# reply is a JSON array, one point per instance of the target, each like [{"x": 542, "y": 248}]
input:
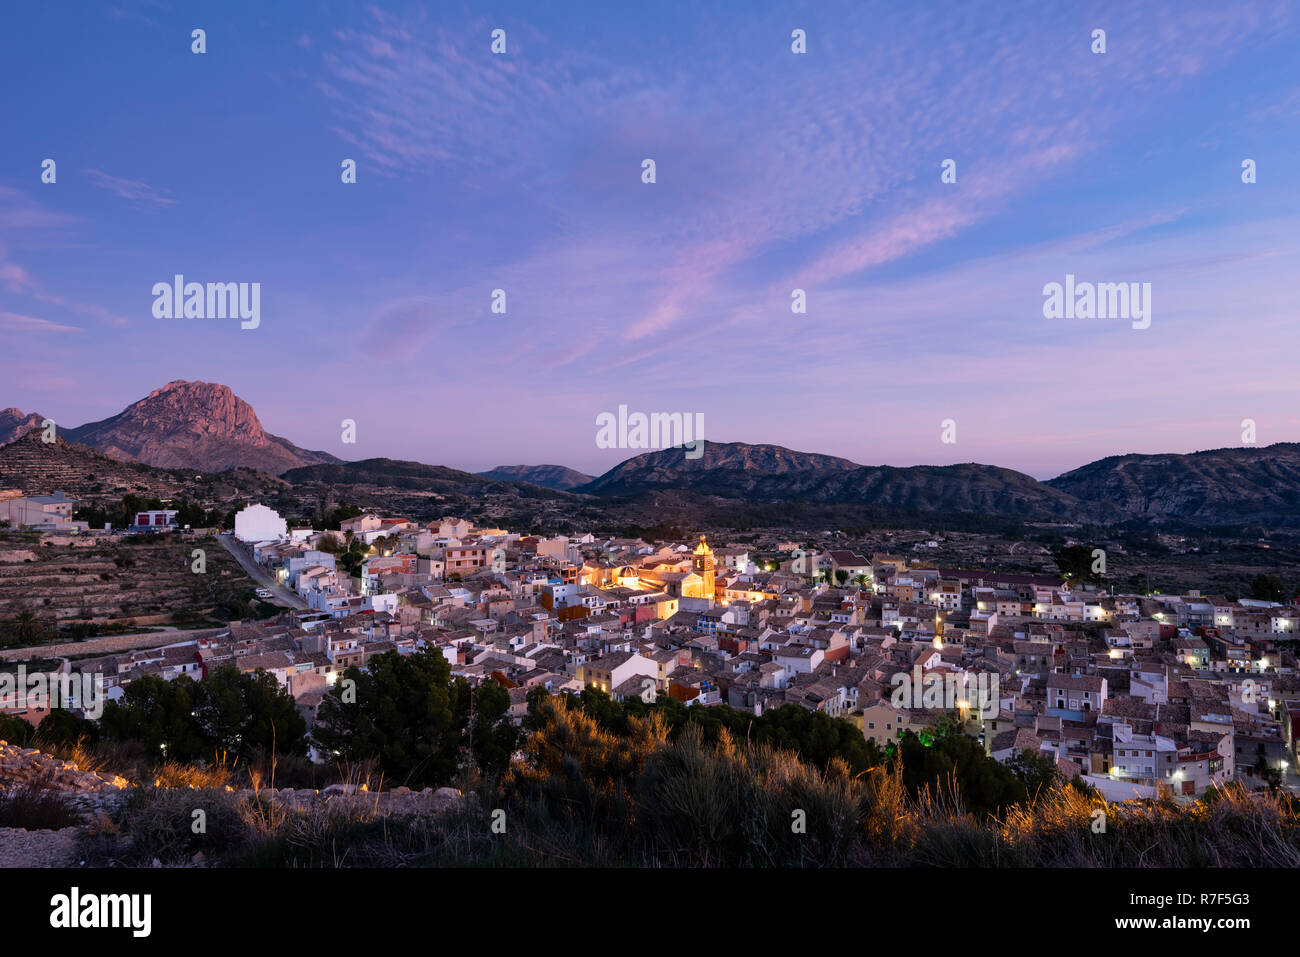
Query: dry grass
[
  {"x": 174, "y": 774},
  {"x": 125, "y": 758}
]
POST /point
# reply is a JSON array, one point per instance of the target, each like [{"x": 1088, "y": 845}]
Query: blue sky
[{"x": 775, "y": 171}]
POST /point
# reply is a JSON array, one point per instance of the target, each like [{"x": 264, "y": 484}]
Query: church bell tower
[{"x": 702, "y": 565}]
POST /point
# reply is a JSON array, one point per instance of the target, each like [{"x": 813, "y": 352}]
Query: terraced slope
[{"x": 110, "y": 581}]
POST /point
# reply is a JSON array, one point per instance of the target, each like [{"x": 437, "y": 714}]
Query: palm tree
[{"x": 27, "y": 628}]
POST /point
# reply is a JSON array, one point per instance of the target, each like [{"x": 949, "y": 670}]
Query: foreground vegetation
[{"x": 580, "y": 795}]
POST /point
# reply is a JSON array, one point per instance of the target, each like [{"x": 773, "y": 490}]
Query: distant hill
[
  {"x": 389, "y": 473},
  {"x": 548, "y": 476},
  {"x": 198, "y": 425},
  {"x": 1220, "y": 486},
  {"x": 13, "y": 424},
  {"x": 725, "y": 468},
  {"x": 771, "y": 473}
]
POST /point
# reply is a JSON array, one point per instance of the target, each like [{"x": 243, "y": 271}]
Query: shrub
[{"x": 35, "y": 806}]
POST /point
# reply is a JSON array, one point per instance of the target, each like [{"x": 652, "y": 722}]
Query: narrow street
[{"x": 279, "y": 594}]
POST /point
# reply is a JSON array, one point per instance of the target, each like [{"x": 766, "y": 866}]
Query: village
[{"x": 1132, "y": 694}]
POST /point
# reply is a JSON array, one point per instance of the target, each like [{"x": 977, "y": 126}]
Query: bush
[
  {"x": 158, "y": 824},
  {"x": 15, "y": 730},
  {"x": 34, "y": 807}
]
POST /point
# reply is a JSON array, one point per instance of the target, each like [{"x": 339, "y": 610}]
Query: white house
[{"x": 258, "y": 523}]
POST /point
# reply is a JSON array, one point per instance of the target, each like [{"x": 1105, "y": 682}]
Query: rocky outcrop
[
  {"x": 20, "y": 766},
  {"x": 14, "y": 424},
  {"x": 198, "y": 425}
]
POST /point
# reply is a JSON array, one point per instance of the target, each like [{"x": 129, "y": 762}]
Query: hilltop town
[{"x": 1129, "y": 693}]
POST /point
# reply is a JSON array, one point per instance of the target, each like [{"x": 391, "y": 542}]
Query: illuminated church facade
[{"x": 698, "y": 580}]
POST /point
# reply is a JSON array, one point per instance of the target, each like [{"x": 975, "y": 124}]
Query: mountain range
[
  {"x": 1232, "y": 486},
  {"x": 771, "y": 473},
  {"x": 206, "y": 427}
]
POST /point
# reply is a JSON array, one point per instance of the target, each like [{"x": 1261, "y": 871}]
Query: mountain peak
[
  {"x": 201, "y": 425},
  {"x": 197, "y": 387},
  {"x": 200, "y": 408},
  {"x": 14, "y": 424},
  {"x": 740, "y": 461}
]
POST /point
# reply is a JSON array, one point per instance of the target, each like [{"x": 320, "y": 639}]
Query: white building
[
  {"x": 258, "y": 523},
  {"x": 40, "y": 511}
]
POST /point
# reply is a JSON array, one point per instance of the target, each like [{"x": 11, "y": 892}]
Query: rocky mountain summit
[{"x": 199, "y": 425}]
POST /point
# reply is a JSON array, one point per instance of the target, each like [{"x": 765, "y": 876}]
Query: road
[{"x": 279, "y": 594}]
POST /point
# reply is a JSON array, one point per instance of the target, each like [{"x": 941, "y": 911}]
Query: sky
[{"x": 774, "y": 171}]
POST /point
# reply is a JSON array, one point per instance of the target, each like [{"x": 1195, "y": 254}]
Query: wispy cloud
[
  {"x": 121, "y": 13},
  {"x": 20, "y": 213},
  {"x": 129, "y": 188},
  {"x": 13, "y": 322},
  {"x": 798, "y": 171},
  {"x": 18, "y": 280},
  {"x": 14, "y": 277}
]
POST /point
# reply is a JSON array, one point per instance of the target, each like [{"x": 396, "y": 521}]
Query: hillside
[
  {"x": 40, "y": 468},
  {"x": 1220, "y": 486},
  {"x": 389, "y": 473},
  {"x": 117, "y": 582}
]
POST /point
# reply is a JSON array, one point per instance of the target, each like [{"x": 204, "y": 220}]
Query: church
[{"x": 675, "y": 580}]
